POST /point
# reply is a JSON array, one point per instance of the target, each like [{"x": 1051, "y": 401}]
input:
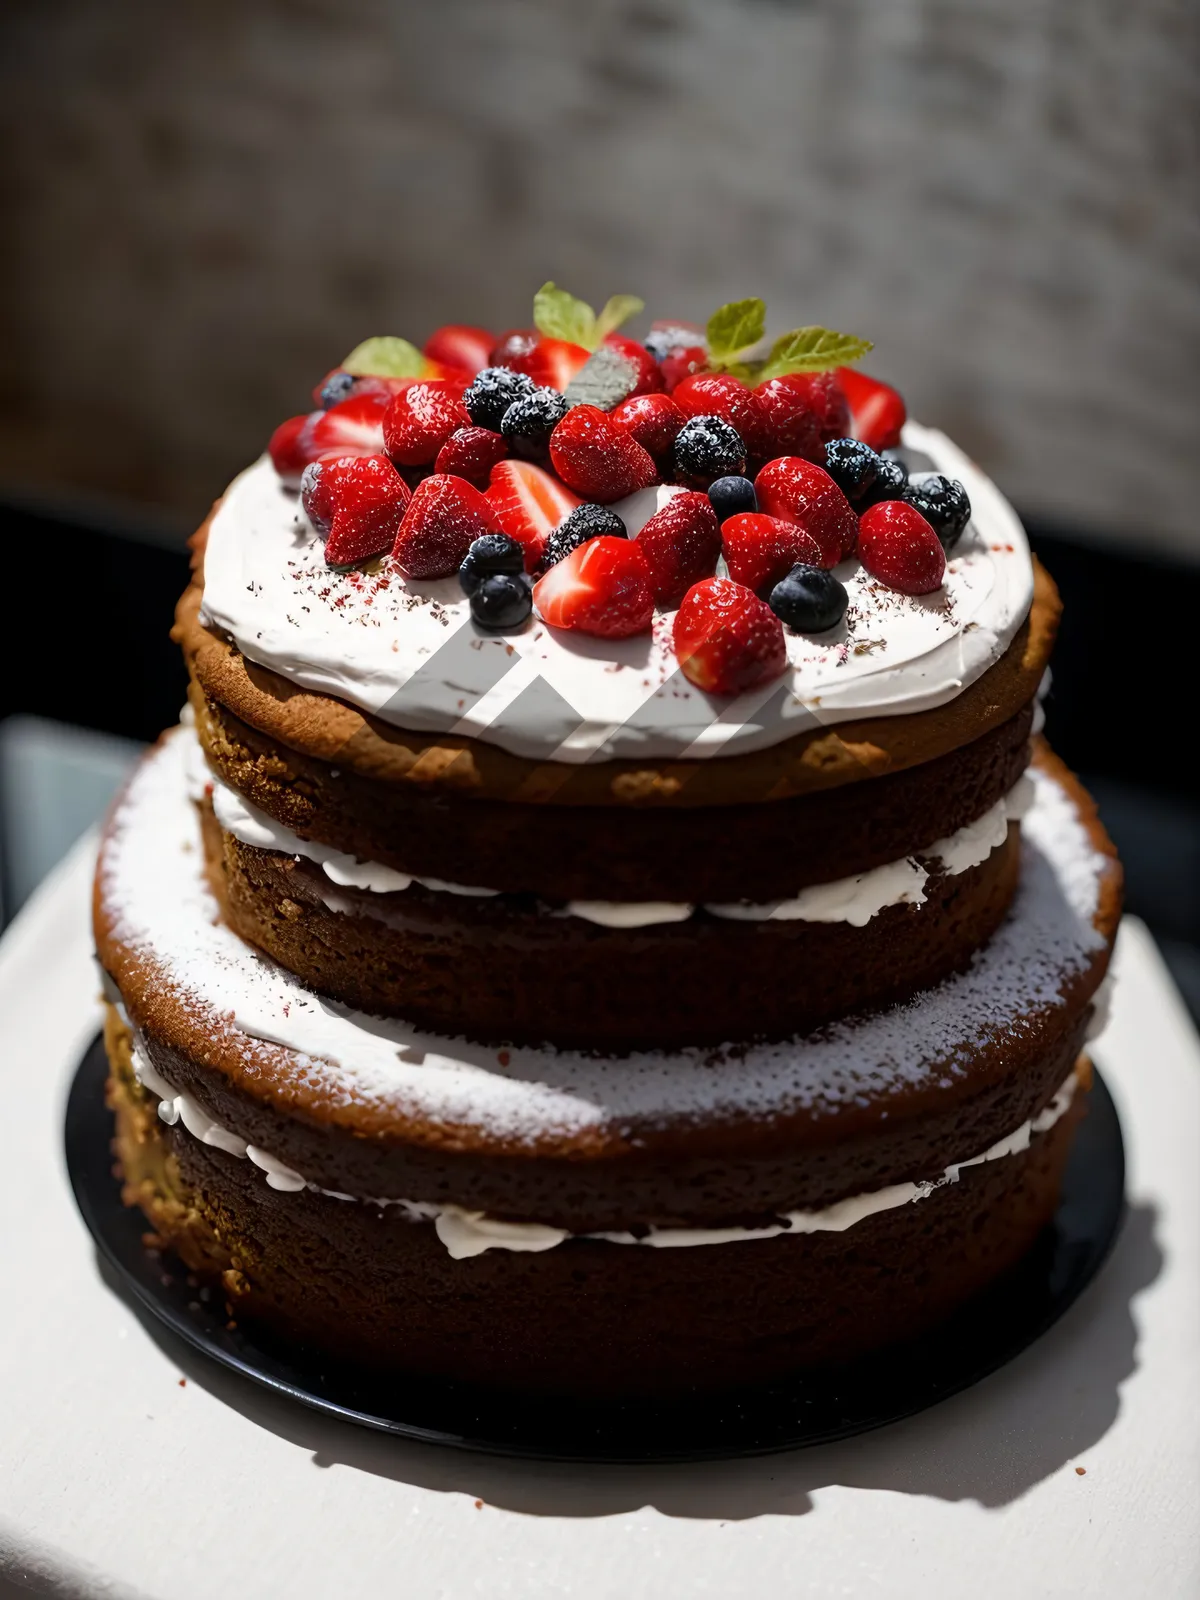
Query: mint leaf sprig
[
  {"x": 384, "y": 357},
  {"x": 736, "y": 329},
  {"x": 559, "y": 315}
]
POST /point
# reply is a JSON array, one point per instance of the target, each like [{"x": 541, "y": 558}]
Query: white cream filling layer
[
  {"x": 855, "y": 899},
  {"x": 469, "y": 1233}
]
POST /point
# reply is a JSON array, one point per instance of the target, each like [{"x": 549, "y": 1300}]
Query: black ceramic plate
[{"x": 784, "y": 1415}]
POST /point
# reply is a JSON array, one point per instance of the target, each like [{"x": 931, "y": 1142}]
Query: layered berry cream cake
[{"x": 608, "y": 920}]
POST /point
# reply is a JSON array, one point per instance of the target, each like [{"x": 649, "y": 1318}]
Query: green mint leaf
[
  {"x": 617, "y": 309},
  {"x": 559, "y": 315},
  {"x": 735, "y": 328},
  {"x": 812, "y": 350},
  {"x": 384, "y": 357}
]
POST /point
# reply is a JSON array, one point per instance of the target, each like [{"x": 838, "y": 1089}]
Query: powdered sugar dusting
[{"x": 153, "y": 887}]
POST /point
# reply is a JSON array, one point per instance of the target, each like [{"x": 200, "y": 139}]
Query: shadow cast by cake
[{"x": 990, "y": 1444}]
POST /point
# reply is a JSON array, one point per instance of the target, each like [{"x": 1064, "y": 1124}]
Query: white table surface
[{"x": 118, "y": 1480}]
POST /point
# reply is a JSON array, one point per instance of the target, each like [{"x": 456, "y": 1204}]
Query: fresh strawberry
[
  {"x": 649, "y": 378},
  {"x": 793, "y": 427},
  {"x": 716, "y": 394},
  {"x": 877, "y": 410},
  {"x": 898, "y": 546},
  {"x": 800, "y": 492},
  {"x": 419, "y": 421},
  {"x": 759, "y": 550},
  {"x": 443, "y": 517},
  {"x": 471, "y": 453},
  {"x": 353, "y": 427},
  {"x": 458, "y": 345},
  {"x": 355, "y": 504},
  {"x": 602, "y": 588},
  {"x": 825, "y": 400},
  {"x": 288, "y": 448},
  {"x": 675, "y": 368},
  {"x": 454, "y": 378},
  {"x": 528, "y": 504},
  {"x": 727, "y": 639},
  {"x": 551, "y": 363},
  {"x": 681, "y": 544},
  {"x": 512, "y": 347},
  {"x": 596, "y": 457},
  {"x": 652, "y": 419}
]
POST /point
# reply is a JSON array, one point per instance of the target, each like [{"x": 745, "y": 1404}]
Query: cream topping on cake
[
  {"x": 154, "y": 893},
  {"x": 855, "y": 899},
  {"x": 408, "y": 652}
]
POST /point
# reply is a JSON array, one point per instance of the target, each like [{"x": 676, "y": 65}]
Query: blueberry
[
  {"x": 585, "y": 522},
  {"x": 337, "y": 387},
  {"x": 707, "y": 448},
  {"x": 490, "y": 554},
  {"x": 502, "y": 600},
  {"x": 730, "y": 496},
  {"x": 853, "y": 466},
  {"x": 530, "y": 420},
  {"x": 944, "y": 505},
  {"x": 491, "y": 393},
  {"x": 809, "y": 599}
]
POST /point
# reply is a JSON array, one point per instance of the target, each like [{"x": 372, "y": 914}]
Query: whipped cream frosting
[
  {"x": 855, "y": 899},
  {"x": 155, "y": 896},
  {"x": 408, "y": 652},
  {"x": 469, "y": 1233}
]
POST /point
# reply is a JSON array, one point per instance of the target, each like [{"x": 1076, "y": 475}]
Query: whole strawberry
[
  {"x": 681, "y": 544},
  {"x": 760, "y": 550},
  {"x": 716, "y": 394},
  {"x": 356, "y": 504},
  {"x": 601, "y": 588},
  {"x": 897, "y": 546},
  {"x": 653, "y": 420},
  {"x": 443, "y": 519},
  {"x": 801, "y": 492},
  {"x": 727, "y": 639},
  {"x": 595, "y": 456},
  {"x": 824, "y": 396},
  {"x": 471, "y": 453},
  {"x": 791, "y": 424},
  {"x": 420, "y": 420}
]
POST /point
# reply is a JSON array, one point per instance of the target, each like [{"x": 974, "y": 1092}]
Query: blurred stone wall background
[{"x": 207, "y": 202}]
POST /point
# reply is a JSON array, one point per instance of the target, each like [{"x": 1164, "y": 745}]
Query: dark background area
[{"x": 207, "y": 204}]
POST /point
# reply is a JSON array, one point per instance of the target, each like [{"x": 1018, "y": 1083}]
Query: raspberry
[
  {"x": 601, "y": 588},
  {"x": 791, "y": 423},
  {"x": 419, "y": 421},
  {"x": 594, "y": 455},
  {"x": 444, "y": 518},
  {"x": 708, "y": 448},
  {"x": 681, "y": 544},
  {"x": 652, "y": 419},
  {"x": 471, "y": 453},
  {"x": 897, "y": 546},
  {"x": 800, "y": 492},
  {"x": 727, "y": 640},
  {"x": 760, "y": 550}
]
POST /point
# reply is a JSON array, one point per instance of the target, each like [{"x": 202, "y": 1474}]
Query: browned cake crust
[
  {"x": 337, "y": 734},
  {"x": 509, "y": 969},
  {"x": 587, "y": 1317}
]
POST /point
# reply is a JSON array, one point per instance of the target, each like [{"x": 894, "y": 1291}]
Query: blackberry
[
  {"x": 854, "y": 467},
  {"x": 529, "y": 422},
  {"x": 585, "y": 522},
  {"x": 891, "y": 481},
  {"x": 492, "y": 391},
  {"x": 944, "y": 505},
  {"x": 707, "y": 448},
  {"x": 503, "y": 600},
  {"x": 490, "y": 554},
  {"x": 336, "y": 388},
  {"x": 809, "y": 599},
  {"x": 730, "y": 496}
]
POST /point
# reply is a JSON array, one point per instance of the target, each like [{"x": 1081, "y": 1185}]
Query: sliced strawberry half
[
  {"x": 549, "y": 362},
  {"x": 727, "y": 639},
  {"x": 353, "y": 427},
  {"x": 457, "y": 344},
  {"x": 471, "y": 453},
  {"x": 420, "y": 420},
  {"x": 877, "y": 410},
  {"x": 601, "y": 588},
  {"x": 681, "y": 544},
  {"x": 356, "y": 503},
  {"x": 759, "y": 549},
  {"x": 595, "y": 456},
  {"x": 443, "y": 518},
  {"x": 528, "y": 504},
  {"x": 801, "y": 492}
]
